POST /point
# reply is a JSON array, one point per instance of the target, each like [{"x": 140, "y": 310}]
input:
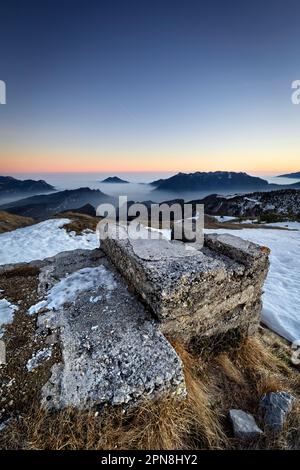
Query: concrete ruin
[{"x": 196, "y": 294}]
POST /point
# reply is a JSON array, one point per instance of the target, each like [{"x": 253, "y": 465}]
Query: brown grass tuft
[
  {"x": 230, "y": 369},
  {"x": 265, "y": 370},
  {"x": 9, "y": 222},
  {"x": 79, "y": 222}
]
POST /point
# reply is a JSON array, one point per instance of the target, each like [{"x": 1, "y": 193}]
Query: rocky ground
[
  {"x": 269, "y": 206},
  {"x": 49, "y": 351}
]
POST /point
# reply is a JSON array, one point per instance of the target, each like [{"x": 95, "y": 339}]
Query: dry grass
[
  {"x": 267, "y": 372},
  {"x": 79, "y": 222},
  {"x": 230, "y": 369},
  {"x": 236, "y": 379},
  {"x": 244, "y": 374}
]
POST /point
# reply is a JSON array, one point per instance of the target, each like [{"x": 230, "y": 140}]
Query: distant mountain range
[
  {"x": 12, "y": 186},
  {"x": 290, "y": 175},
  {"x": 44, "y": 206},
  {"x": 215, "y": 181},
  {"x": 114, "y": 179},
  {"x": 279, "y": 203},
  {"x": 85, "y": 200}
]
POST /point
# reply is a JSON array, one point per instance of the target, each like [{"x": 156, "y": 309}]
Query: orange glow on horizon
[
  {"x": 145, "y": 169},
  {"x": 146, "y": 162}
]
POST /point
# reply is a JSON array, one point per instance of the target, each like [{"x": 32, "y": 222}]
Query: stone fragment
[
  {"x": 244, "y": 425},
  {"x": 276, "y": 406}
]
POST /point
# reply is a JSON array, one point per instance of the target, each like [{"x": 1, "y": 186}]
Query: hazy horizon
[{"x": 138, "y": 188}]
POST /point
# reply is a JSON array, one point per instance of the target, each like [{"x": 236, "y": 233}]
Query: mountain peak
[{"x": 114, "y": 179}]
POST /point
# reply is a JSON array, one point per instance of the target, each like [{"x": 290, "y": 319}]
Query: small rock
[
  {"x": 276, "y": 406},
  {"x": 296, "y": 344},
  {"x": 244, "y": 425},
  {"x": 295, "y": 358},
  {"x": 51, "y": 339},
  {"x": 3, "y": 424}
]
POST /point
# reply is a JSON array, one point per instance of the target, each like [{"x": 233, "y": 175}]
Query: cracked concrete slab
[{"x": 112, "y": 349}]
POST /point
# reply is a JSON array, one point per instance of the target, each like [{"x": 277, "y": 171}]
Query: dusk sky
[{"x": 149, "y": 86}]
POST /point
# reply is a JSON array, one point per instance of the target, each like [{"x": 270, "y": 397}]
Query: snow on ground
[
  {"x": 42, "y": 241},
  {"x": 165, "y": 232},
  {"x": 68, "y": 288},
  {"x": 7, "y": 311},
  {"x": 252, "y": 200},
  {"x": 290, "y": 225},
  {"x": 281, "y": 300},
  {"x": 248, "y": 221},
  {"x": 223, "y": 218},
  {"x": 228, "y": 196},
  {"x": 38, "y": 358}
]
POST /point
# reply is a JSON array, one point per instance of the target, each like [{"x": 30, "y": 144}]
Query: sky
[{"x": 149, "y": 86}]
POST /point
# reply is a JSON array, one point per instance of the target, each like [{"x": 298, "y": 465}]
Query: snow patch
[
  {"x": 281, "y": 300},
  {"x": 96, "y": 299},
  {"x": 7, "y": 311},
  {"x": 68, "y": 288},
  {"x": 252, "y": 200},
  {"x": 165, "y": 232},
  {"x": 38, "y": 358},
  {"x": 42, "y": 241},
  {"x": 223, "y": 218},
  {"x": 287, "y": 224},
  {"x": 248, "y": 221}
]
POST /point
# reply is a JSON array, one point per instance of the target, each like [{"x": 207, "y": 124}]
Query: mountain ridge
[
  {"x": 290, "y": 175},
  {"x": 216, "y": 181},
  {"x": 44, "y": 206},
  {"x": 10, "y": 186},
  {"x": 209, "y": 181}
]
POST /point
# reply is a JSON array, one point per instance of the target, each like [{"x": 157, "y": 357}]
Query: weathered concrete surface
[
  {"x": 194, "y": 293},
  {"x": 112, "y": 349},
  {"x": 244, "y": 425}
]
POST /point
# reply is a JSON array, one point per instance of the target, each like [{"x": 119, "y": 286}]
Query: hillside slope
[{"x": 9, "y": 222}]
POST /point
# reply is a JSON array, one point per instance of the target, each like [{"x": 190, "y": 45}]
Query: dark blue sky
[{"x": 161, "y": 85}]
